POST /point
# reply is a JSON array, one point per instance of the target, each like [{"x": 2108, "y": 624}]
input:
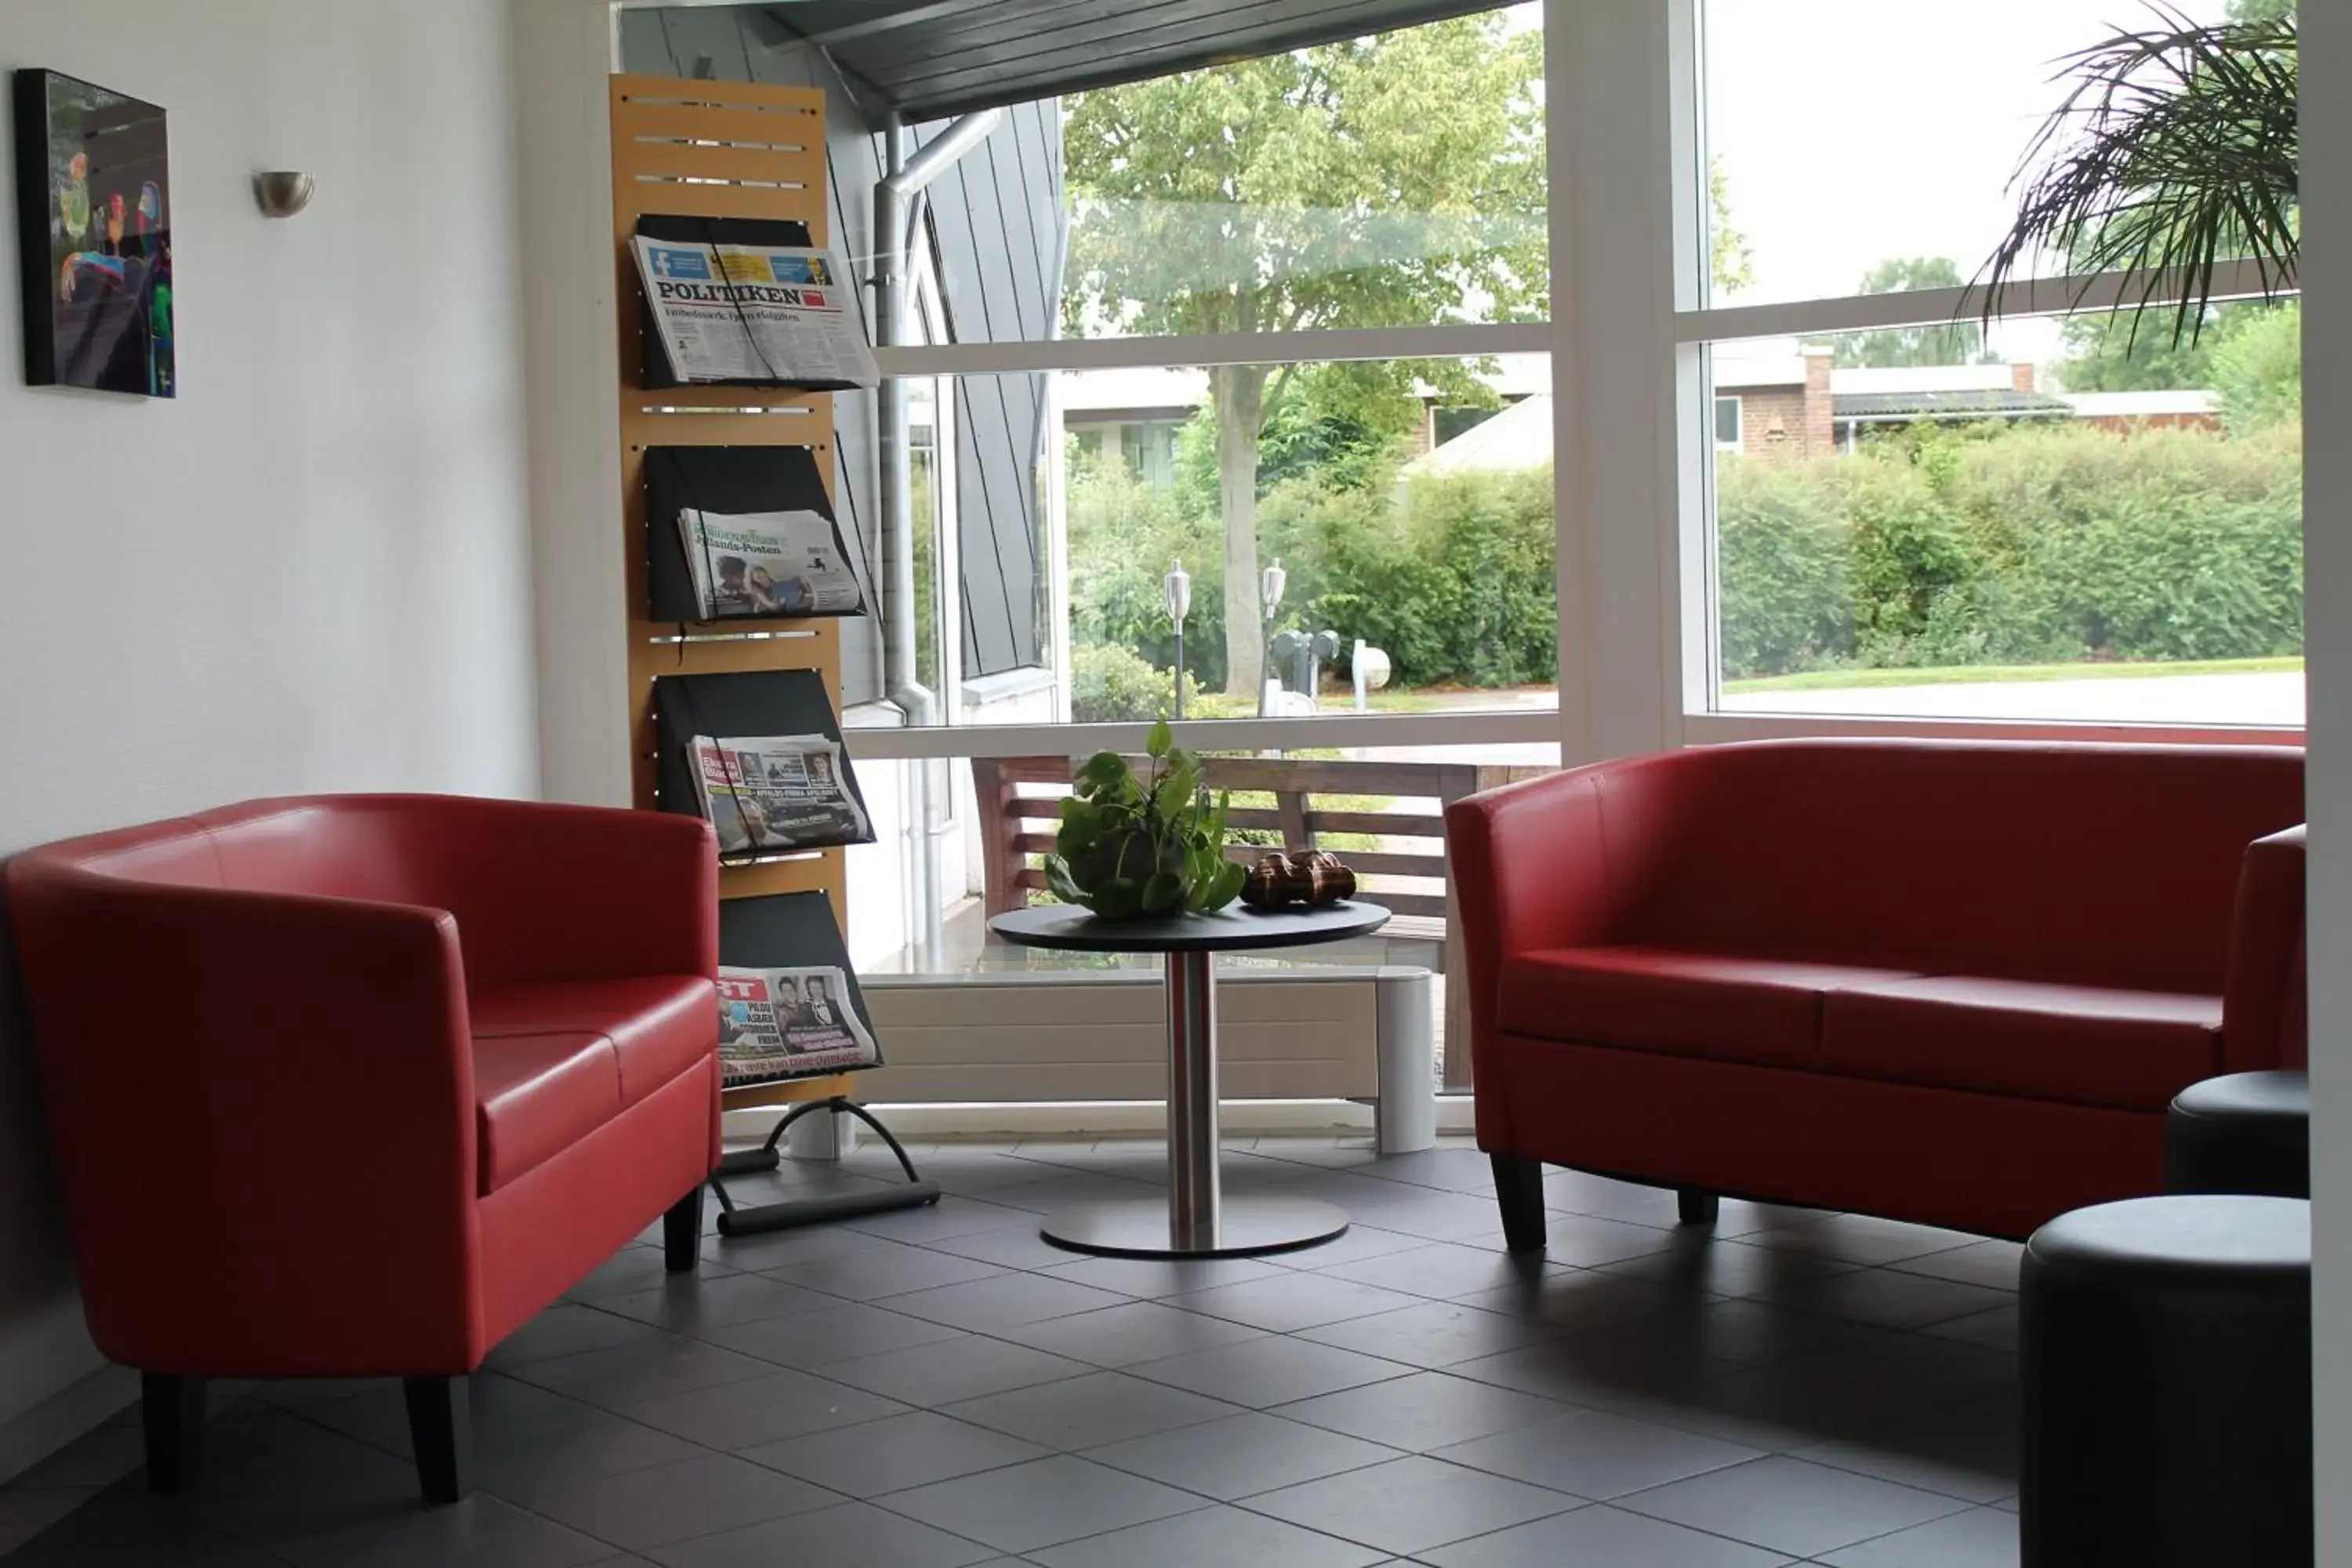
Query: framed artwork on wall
[{"x": 94, "y": 227}]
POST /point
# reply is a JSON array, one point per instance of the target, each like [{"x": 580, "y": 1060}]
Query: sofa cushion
[
  {"x": 658, "y": 1025},
  {"x": 1729, "y": 1007},
  {"x": 537, "y": 1095},
  {"x": 2087, "y": 1044}
]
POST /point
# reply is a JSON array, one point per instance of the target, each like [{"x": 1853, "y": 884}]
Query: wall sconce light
[{"x": 282, "y": 193}]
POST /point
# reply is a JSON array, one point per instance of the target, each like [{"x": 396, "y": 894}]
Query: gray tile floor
[{"x": 941, "y": 1388}]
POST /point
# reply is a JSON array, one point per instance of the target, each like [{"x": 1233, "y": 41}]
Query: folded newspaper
[
  {"x": 777, "y": 793},
  {"x": 771, "y": 314},
  {"x": 768, "y": 564},
  {"x": 789, "y": 1023}
]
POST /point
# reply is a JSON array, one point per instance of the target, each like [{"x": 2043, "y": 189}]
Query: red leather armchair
[
  {"x": 493, "y": 1020},
  {"x": 1952, "y": 982}
]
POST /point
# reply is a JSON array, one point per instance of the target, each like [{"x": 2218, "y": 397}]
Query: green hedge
[
  {"x": 2018, "y": 546},
  {"x": 1976, "y": 545}
]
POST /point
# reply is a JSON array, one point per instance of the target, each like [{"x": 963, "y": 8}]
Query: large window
[{"x": 1913, "y": 512}]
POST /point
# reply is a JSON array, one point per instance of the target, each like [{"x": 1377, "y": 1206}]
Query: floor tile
[
  {"x": 1411, "y": 1505},
  {"x": 1357, "y": 1241},
  {"x": 1995, "y": 1329},
  {"x": 1434, "y": 1334},
  {"x": 1066, "y": 1189},
  {"x": 1574, "y": 1192},
  {"x": 1040, "y": 1504},
  {"x": 1441, "y": 1269},
  {"x": 1012, "y": 1248},
  {"x": 1210, "y": 1537},
  {"x": 1864, "y": 1239},
  {"x": 1269, "y": 1369},
  {"x": 1892, "y": 1299},
  {"x": 1787, "y": 1505},
  {"x": 1699, "y": 1263},
  {"x": 1088, "y": 1412},
  {"x": 894, "y": 1270},
  {"x": 964, "y": 1367},
  {"x": 802, "y": 1244},
  {"x": 823, "y": 1339},
  {"x": 1981, "y": 1538},
  {"x": 1424, "y": 1410},
  {"x": 654, "y": 1507},
  {"x": 1602, "y": 1538},
  {"x": 1968, "y": 1450},
  {"x": 479, "y": 1532},
  {"x": 768, "y": 1410},
  {"x": 1005, "y": 1301},
  {"x": 1137, "y": 1331},
  {"x": 894, "y": 1454},
  {"x": 1152, "y": 1278},
  {"x": 950, "y": 1216},
  {"x": 1241, "y": 1456},
  {"x": 1992, "y": 1264},
  {"x": 26, "y": 1510},
  {"x": 854, "y": 1535},
  {"x": 1584, "y": 1241},
  {"x": 691, "y": 1304},
  {"x": 640, "y": 1370},
  {"x": 1292, "y": 1301},
  {"x": 1595, "y": 1453},
  {"x": 587, "y": 1447},
  {"x": 567, "y": 1329},
  {"x": 637, "y": 1268}
]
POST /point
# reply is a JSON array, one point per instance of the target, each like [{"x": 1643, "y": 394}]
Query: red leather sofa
[
  {"x": 1951, "y": 983},
  {"x": 353, "y": 1086}
]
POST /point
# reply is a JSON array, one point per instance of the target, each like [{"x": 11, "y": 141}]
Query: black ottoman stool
[
  {"x": 2166, "y": 1368},
  {"x": 2245, "y": 1132}
]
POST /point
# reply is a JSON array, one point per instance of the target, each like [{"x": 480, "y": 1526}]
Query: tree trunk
[{"x": 1239, "y": 393}]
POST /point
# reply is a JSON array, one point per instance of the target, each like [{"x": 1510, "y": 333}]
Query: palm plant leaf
[{"x": 2176, "y": 148}]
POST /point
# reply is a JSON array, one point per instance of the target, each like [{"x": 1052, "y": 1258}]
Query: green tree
[
  {"x": 1390, "y": 180},
  {"x": 1731, "y": 260},
  {"x": 1949, "y": 342},
  {"x": 2258, "y": 368}
]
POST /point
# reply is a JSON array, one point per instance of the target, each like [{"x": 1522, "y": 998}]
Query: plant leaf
[
  {"x": 1163, "y": 894},
  {"x": 1060, "y": 883},
  {"x": 1164, "y": 739}
]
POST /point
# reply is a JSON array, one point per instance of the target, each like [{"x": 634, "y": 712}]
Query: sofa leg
[
  {"x": 1518, "y": 1192},
  {"x": 441, "y": 1429},
  {"x": 172, "y": 1410},
  {"x": 682, "y": 1232},
  {"x": 1698, "y": 1207}
]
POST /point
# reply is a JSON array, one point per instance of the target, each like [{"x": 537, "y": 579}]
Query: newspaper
[
  {"x": 775, "y": 314},
  {"x": 768, "y": 564},
  {"x": 777, "y": 793},
  {"x": 789, "y": 1023}
]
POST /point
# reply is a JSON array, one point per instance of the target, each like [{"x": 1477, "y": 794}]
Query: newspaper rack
[
  {"x": 710, "y": 233},
  {"x": 797, "y": 931},
  {"x": 738, "y": 704},
  {"x": 724, "y": 480}
]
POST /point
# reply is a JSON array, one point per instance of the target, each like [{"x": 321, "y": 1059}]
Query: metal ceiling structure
[{"x": 931, "y": 59}]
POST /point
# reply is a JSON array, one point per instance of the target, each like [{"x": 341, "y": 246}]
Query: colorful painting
[{"x": 94, "y": 211}]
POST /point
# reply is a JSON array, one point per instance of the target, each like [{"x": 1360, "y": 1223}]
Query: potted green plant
[{"x": 1137, "y": 845}]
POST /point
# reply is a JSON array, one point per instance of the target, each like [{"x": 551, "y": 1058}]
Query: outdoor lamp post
[
  {"x": 1176, "y": 589},
  {"x": 1270, "y": 585}
]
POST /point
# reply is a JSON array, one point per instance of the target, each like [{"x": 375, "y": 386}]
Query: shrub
[{"x": 1109, "y": 683}]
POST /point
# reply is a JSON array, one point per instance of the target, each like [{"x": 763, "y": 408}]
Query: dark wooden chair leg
[
  {"x": 1696, "y": 1207},
  {"x": 441, "y": 1427},
  {"x": 1518, "y": 1192},
  {"x": 682, "y": 1232},
  {"x": 172, "y": 1410}
]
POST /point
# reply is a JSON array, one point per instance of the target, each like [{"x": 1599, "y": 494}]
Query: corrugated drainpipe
[{"x": 896, "y": 235}]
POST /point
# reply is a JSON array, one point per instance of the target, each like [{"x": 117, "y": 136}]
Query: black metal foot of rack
[{"x": 734, "y": 1221}]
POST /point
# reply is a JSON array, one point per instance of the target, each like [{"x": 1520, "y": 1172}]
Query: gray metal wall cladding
[{"x": 997, "y": 230}]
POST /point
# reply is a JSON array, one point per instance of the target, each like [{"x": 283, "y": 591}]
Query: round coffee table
[{"x": 1196, "y": 1221}]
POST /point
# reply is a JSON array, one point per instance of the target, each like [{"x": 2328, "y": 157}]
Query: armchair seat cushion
[
  {"x": 658, "y": 1027},
  {"x": 2089, "y": 1044},
  {"x": 537, "y": 1095},
  {"x": 1727, "y": 1006}
]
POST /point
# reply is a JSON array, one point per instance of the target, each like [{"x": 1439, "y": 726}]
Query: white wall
[
  {"x": 2326, "y": 48},
  {"x": 309, "y": 572}
]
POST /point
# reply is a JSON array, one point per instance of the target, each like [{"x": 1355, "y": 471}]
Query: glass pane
[
  {"x": 1312, "y": 509},
  {"x": 1858, "y": 146},
  {"x": 1978, "y": 541},
  {"x": 1391, "y": 181}
]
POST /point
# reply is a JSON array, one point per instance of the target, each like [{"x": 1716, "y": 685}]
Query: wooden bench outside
[{"x": 1020, "y": 808}]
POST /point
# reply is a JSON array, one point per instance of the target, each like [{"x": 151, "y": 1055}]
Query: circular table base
[{"x": 1139, "y": 1227}]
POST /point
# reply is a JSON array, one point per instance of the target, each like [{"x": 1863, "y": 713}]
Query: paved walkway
[{"x": 2267, "y": 700}]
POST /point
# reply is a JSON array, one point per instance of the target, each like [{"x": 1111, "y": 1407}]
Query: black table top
[{"x": 1235, "y": 928}]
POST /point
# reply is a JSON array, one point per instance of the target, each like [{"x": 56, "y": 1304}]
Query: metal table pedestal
[{"x": 1196, "y": 1220}]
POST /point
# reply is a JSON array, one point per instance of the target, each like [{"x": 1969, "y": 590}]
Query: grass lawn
[{"x": 1970, "y": 675}]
